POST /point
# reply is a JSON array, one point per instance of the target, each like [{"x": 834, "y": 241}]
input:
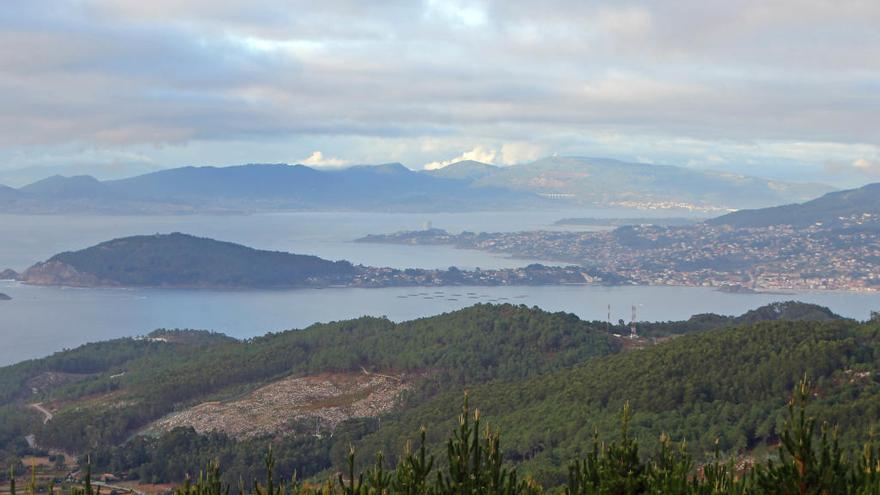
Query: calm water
[
  {"x": 27, "y": 239},
  {"x": 41, "y": 320}
]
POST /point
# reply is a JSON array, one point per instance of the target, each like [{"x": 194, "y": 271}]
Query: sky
[{"x": 786, "y": 89}]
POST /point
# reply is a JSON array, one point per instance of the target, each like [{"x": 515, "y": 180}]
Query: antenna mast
[
  {"x": 632, "y": 324},
  {"x": 608, "y": 321}
]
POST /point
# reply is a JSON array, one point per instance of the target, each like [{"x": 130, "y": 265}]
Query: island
[
  {"x": 4, "y": 297},
  {"x": 180, "y": 260}
]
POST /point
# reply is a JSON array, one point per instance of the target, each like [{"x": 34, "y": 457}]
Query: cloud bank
[{"x": 752, "y": 82}]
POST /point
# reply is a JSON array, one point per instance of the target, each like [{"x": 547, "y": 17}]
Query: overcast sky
[{"x": 786, "y": 89}]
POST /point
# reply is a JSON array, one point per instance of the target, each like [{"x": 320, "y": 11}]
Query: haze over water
[{"x": 42, "y": 320}]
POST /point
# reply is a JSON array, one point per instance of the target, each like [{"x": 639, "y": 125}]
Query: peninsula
[{"x": 830, "y": 243}]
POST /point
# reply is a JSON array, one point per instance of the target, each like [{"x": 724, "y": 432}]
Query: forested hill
[
  {"x": 776, "y": 311},
  {"x": 729, "y": 386},
  {"x": 102, "y": 393},
  {"x": 534, "y": 372},
  {"x": 181, "y": 260},
  {"x": 838, "y": 207}
]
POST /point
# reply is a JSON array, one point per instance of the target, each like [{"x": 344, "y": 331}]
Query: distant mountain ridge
[
  {"x": 833, "y": 208},
  {"x": 464, "y": 186},
  {"x": 257, "y": 187},
  {"x": 606, "y": 180}
]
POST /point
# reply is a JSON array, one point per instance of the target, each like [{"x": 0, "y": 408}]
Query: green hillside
[
  {"x": 181, "y": 260},
  {"x": 547, "y": 380},
  {"x": 726, "y": 385},
  {"x": 107, "y": 391}
]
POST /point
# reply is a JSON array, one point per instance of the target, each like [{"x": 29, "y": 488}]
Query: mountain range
[
  {"x": 607, "y": 181},
  {"x": 551, "y": 182}
]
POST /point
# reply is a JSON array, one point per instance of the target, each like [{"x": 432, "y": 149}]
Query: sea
[{"x": 39, "y": 321}]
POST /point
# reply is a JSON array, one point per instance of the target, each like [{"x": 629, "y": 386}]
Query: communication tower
[
  {"x": 632, "y": 324},
  {"x": 608, "y": 321}
]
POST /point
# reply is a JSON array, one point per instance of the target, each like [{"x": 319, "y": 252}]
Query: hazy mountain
[
  {"x": 466, "y": 170},
  {"x": 57, "y": 186},
  {"x": 8, "y": 193},
  {"x": 551, "y": 183},
  {"x": 603, "y": 181},
  {"x": 259, "y": 187},
  {"x": 830, "y": 208},
  {"x": 279, "y": 186}
]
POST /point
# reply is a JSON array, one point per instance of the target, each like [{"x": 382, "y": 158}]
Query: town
[{"x": 843, "y": 255}]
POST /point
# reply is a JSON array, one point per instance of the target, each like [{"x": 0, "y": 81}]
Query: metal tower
[
  {"x": 632, "y": 324},
  {"x": 608, "y": 321}
]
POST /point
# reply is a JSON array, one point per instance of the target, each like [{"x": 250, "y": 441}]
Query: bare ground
[{"x": 322, "y": 401}]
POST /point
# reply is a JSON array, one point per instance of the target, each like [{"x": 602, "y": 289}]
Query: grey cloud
[{"x": 128, "y": 72}]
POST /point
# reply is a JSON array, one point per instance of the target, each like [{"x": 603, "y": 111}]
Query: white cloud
[
  {"x": 318, "y": 159},
  {"x": 861, "y": 166},
  {"x": 478, "y": 154},
  {"x": 866, "y": 166},
  {"x": 263, "y": 80},
  {"x": 466, "y": 14},
  {"x": 513, "y": 153},
  {"x": 509, "y": 154}
]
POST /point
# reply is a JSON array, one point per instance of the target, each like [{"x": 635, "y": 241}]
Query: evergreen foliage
[
  {"x": 184, "y": 260},
  {"x": 547, "y": 380},
  {"x": 475, "y": 465}
]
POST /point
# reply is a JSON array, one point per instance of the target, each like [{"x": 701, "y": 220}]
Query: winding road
[{"x": 47, "y": 415}]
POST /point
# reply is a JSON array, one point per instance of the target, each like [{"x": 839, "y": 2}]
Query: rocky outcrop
[
  {"x": 59, "y": 273},
  {"x": 4, "y": 297},
  {"x": 8, "y": 275}
]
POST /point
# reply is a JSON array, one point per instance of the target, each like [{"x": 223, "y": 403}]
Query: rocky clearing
[{"x": 320, "y": 401}]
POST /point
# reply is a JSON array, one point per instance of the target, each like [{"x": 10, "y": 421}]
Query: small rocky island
[
  {"x": 184, "y": 261},
  {"x": 4, "y": 297}
]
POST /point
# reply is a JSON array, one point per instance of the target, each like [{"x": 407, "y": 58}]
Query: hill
[
  {"x": 777, "y": 311},
  {"x": 604, "y": 181},
  {"x": 121, "y": 386},
  {"x": 180, "y": 260},
  {"x": 728, "y": 386},
  {"x": 546, "y": 378},
  {"x": 8, "y": 193},
  {"x": 835, "y": 208},
  {"x": 462, "y": 186},
  {"x": 57, "y": 186},
  {"x": 467, "y": 170}
]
